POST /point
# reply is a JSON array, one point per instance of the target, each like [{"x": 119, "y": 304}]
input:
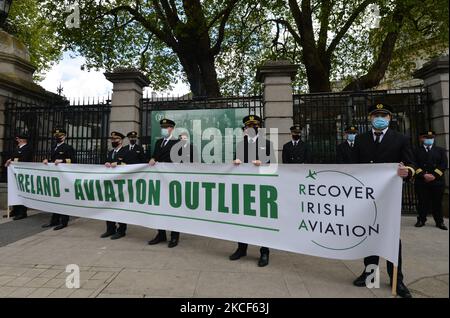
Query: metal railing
[
  {"x": 223, "y": 112},
  {"x": 324, "y": 116},
  {"x": 86, "y": 123}
]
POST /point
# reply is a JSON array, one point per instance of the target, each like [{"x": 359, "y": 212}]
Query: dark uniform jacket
[
  {"x": 394, "y": 147},
  {"x": 24, "y": 154},
  {"x": 120, "y": 157},
  {"x": 135, "y": 155},
  {"x": 248, "y": 152},
  {"x": 162, "y": 154},
  {"x": 187, "y": 155},
  {"x": 433, "y": 162},
  {"x": 63, "y": 152},
  {"x": 294, "y": 154},
  {"x": 344, "y": 153}
]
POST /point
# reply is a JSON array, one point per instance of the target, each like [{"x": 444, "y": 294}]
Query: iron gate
[
  {"x": 211, "y": 112},
  {"x": 323, "y": 117},
  {"x": 86, "y": 123}
]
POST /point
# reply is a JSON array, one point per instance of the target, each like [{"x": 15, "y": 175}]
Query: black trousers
[
  {"x": 243, "y": 247},
  {"x": 173, "y": 235},
  {"x": 374, "y": 260},
  {"x": 18, "y": 210},
  {"x": 112, "y": 228},
  {"x": 59, "y": 219},
  {"x": 429, "y": 200}
]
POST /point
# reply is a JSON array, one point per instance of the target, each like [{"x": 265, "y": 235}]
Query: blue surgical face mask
[
  {"x": 380, "y": 123},
  {"x": 164, "y": 132},
  {"x": 351, "y": 137},
  {"x": 428, "y": 141}
]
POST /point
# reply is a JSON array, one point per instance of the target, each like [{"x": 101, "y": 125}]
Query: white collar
[
  {"x": 425, "y": 146},
  {"x": 20, "y": 147},
  {"x": 57, "y": 145},
  {"x": 117, "y": 149},
  {"x": 253, "y": 138},
  {"x": 350, "y": 142},
  {"x": 384, "y": 131}
]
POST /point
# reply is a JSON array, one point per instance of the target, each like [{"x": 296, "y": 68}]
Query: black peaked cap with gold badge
[{"x": 251, "y": 119}]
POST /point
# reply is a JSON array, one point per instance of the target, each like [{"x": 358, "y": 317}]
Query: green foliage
[
  {"x": 29, "y": 24},
  {"x": 251, "y": 35},
  {"x": 423, "y": 35},
  {"x": 108, "y": 42}
]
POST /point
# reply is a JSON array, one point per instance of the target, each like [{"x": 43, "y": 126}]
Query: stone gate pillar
[
  {"x": 125, "y": 102},
  {"x": 277, "y": 77},
  {"x": 435, "y": 77}
]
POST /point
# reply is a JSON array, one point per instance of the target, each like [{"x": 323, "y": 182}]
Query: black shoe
[
  {"x": 117, "y": 235},
  {"x": 419, "y": 223},
  {"x": 158, "y": 239},
  {"x": 172, "y": 243},
  {"x": 403, "y": 291},
  {"x": 263, "y": 260},
  {"x": 19, "y": 217},
  {"x": 49, "y": 225},
  {"x": 12, "y": 213},
  {"x": 442, "y": 226},
  {"x": 59, "y": 227},
  {"x": 361, "y": 280},
  {"x": 237, "y": 255},
  {"x": 106, "y": 234}
]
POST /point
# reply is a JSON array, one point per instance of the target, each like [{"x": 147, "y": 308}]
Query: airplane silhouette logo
[{"x": 312, "y": 175}]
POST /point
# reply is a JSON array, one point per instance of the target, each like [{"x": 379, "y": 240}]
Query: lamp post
[{"x": 5, "y": 5}]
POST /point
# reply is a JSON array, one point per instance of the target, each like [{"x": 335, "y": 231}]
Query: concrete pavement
[{"x": 199, "y": 267}]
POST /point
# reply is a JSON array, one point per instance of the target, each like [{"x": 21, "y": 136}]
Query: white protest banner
[{"x": 333, "y": 211}]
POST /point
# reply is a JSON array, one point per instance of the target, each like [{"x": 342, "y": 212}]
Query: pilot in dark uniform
[
  {"x": 23, "y": 153},
  {"x": 294, "y": 151},
  {"x": 117, "y": 156},
  {"x": 135, "y": 152},
  {"x": 61, "y": 153},
  {"x": 382, "y": 144},
  {"x": 161, "y": 153},
  {"x": 430, "y": 181},
  {"x": 257, "y": 150},
  {"x": 187, "y": 151},
  {"x": 344, "y": 151}
]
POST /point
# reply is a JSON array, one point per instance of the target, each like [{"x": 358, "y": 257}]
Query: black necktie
[
  {"x": 428, "y": 148},
  {"x": 378, "y": 135},
  {"x": 163, "y": 144},
  {"x": 114, "y": 154},
  {"x": 351, "y": 145}
]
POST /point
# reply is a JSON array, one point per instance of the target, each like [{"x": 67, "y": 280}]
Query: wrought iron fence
[
  {"x": 323, "y": 117},
  {"x": 224, "y": 112},
  {"x": 86, "y": 123}
]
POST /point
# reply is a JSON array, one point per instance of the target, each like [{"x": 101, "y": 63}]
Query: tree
[
  {"x": 159, "y": 37},
  {"x": 336, "y": 43},
  {"x": 27, "y": 23}
]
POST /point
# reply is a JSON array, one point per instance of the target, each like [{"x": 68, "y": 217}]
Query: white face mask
[
  {"x": 164, "y": 132},
  {"x": 428, "y": 141}
]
